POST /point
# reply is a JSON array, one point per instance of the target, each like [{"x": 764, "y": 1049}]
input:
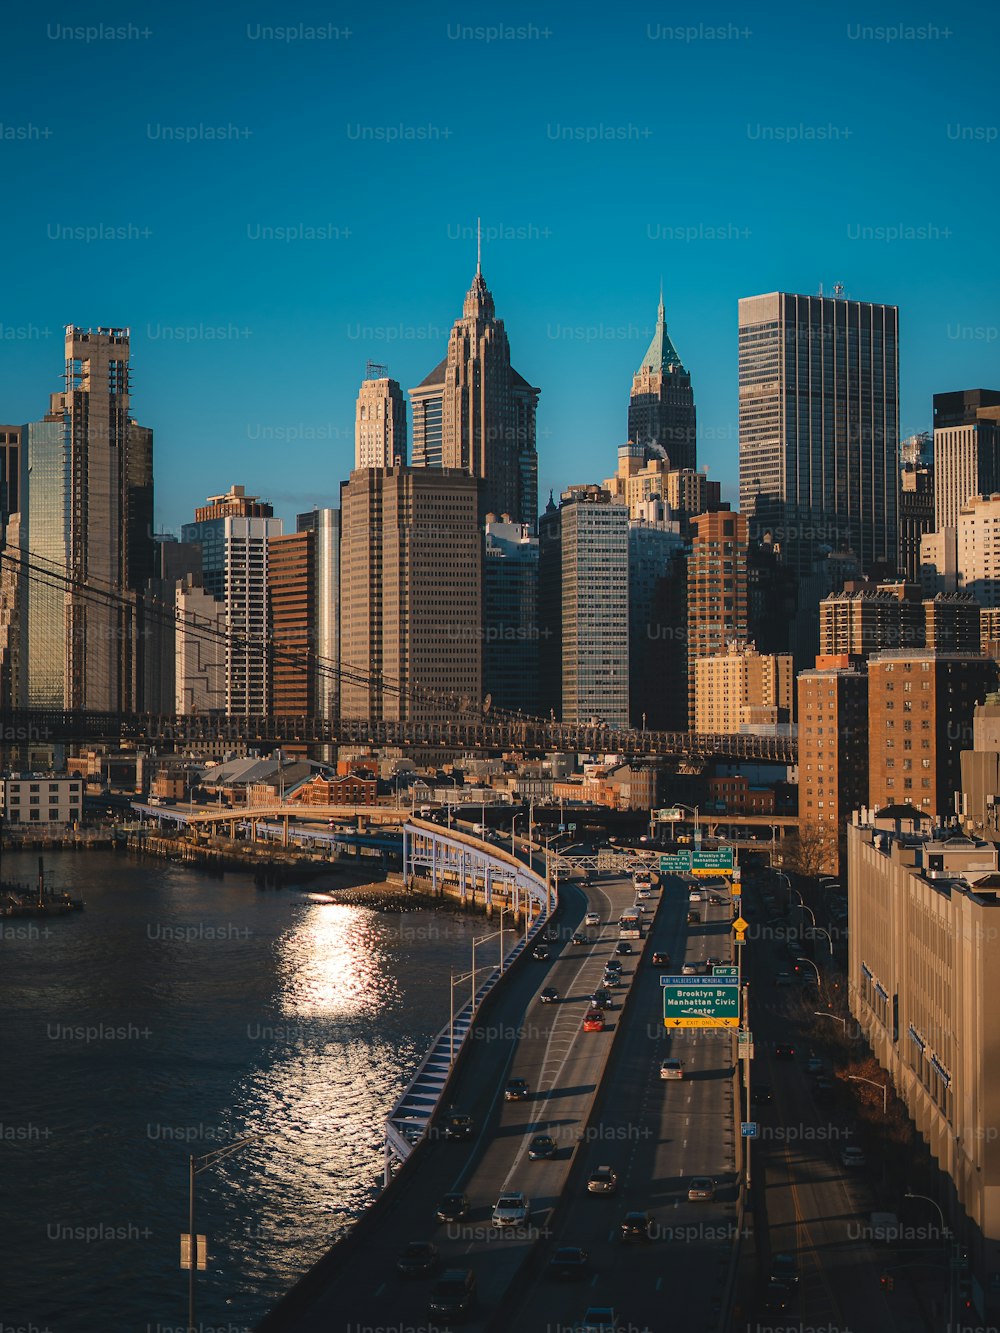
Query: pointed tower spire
[
  {"x": 660, "y": 312},
  {"x": 479, "y": 245}
]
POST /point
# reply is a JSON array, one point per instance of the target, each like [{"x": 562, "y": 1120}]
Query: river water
[{"x": 177, "y": 1013}]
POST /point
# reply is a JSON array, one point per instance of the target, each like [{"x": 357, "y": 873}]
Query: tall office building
[
  {"x": 380, "y": 420},
  {"x": 661, "y": 410},
  {"x": 920, "y": 705},
  {"x": 174, "y": 563},
  {"x": 583, "y": 607},
  {"x": 291, "y": 579},
  {"x": 234, "y": 531},
  {"x": 325, "y": 613},
  {"x": 657, "y": 621},
  {"x": 510, "y": 617},
  {"x": 833, "y": 757},
  {"x": 717, "y": 590},
  {"x": 474, "y": 412},
  {"x": 89, "y": 519},
  {"x": 819, "y": 412},
  {"x": 410, "y": 594},
  {"x": 11, "y": 445},
  {"x": 966, "y": 451}
]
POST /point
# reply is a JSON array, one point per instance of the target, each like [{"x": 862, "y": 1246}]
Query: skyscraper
[
  {"x": 234, "y": 531},
  {"x": 819, "y": 412},
  {"x": 661, "y": 410},
  {"x": 380, "y": 420},
  {"x": 966, "y": 451},
  {"x": 89, "y": 516},
  {"x": 583, "y": 607},
  {"x": 717, "y": 590},
  {"x": 325, "y": 612},
  {"x": 476, "y": 413},
  {"x": 510, "y": 617},
  {"x": 410, "y": 594}
]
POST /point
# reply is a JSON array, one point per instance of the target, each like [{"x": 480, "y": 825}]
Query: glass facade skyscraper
[{"x": 819, "y": 426}]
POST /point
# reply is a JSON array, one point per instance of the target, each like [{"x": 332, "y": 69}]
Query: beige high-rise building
[
  {"x": 966, "y": 450},
  {"x": 742, "y": 687},
  {"x": 380, "y": 420},
  {"x": 643, "y": 476},
  {"x": 410, "y": 594},
  {"x": 717, "y": 589},
  {"x": 199, "y": 649},
  {"x": 476, "y": 413}
]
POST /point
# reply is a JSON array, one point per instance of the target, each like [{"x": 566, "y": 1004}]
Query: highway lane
[
  {"x": 656, "y": 1134},
  {"x": 813, "y": 1204},
  {"x": 543, "y": 1043}
]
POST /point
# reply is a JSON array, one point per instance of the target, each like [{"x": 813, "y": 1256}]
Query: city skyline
[{"x": 256, "y": 275}]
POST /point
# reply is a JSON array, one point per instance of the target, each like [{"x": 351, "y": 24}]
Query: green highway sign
[
  {"x": 718, "y": 858},
  {"x": 677, "y": 864},
  {"x": 664, "y": 816},
  {"x": 718, "y": 971},
  {"x": 700, "y": 1002}
]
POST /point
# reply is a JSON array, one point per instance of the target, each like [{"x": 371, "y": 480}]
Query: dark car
[
  {"x": 541, "y": 1148},
  {"x": 785, "y": 1270},
  {"x": 623, "y": 947},
  {"x": 601, "y": 999},
  {"x": 637, "y": 1226},
  {"x": 549, "y": 995},
  {"x": 516, "y": 1090},
  {"x": 613, "y": 965},
  {"x": 453, "y": 1207},
  {"x": 454, "y": 1293},
  {"x": 784, "y": 1052},
  {"x": 579, "y": 939},
  {"x": 776, "y": 1298},
  {"x": 569, "y": 1263},
  {"x": 419, "y": 1259},
  {"x": 541, "y": 953},
  {"x": 458, "y": 1126},
  {"x": 694, "y": 918},
  {"x": 661, "y": 959}
]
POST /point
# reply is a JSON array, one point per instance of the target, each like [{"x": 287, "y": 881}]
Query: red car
[{"x": 593, "y": 1021}]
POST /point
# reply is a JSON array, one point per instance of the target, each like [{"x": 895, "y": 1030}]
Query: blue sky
[{"x": 732, "y": 151}]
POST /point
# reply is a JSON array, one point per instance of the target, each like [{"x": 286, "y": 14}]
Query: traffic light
[{"x": 887, "y": 1282}]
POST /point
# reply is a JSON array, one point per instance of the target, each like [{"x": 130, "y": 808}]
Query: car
[
  {"x": 600, "y": 999},
  {"x": 783, "y": 1051},
  {"x": 713, "y": 960},
  {"x": 420, "y": 1258},
  {"x": 760, "y": 1095},
  {"x": 852, "y": 1156},
  {"x": 602, "y": 1181},
  {"x": 541, "y": 1148},
  {"x": 511, "y": 1210},
  {"x": 637, "y": 1226},
  {"x": 611, "y": 979},
  {"x": 613, "y": 965},
  {"x": 694, "y": 896},
  {"x": 593, "y": 1021},
  {"x": 598, "y": 1319},
  {"x": 541, "y": 953},
  {"x": 458, "y": 1126},
  {"x": 568, "y": 1263},
  {"x": 552, "y": 933},
  {"x": 783, "y": 979},
  {"x": 814, "y": 1065},
  {"x": 660, "y": 959},
  {"x": 777, "y": 1298},
  {"x": 671, "y": 1069},
  {"x": 693, "y": 917},
  {"x": 785, "y": 1270},
  {"x": 453, "y": 1207},
  {"x": 516, "y": 1090},
  {"x": 691, "y": 970},
  {"x": 641, "y": 895},
  {"x": 549, "y": 995},
  {"x": 701, "y": 1190},
  {"x": 579, "y": 939},
  {"x": 623, "y": 947},
  {"x": 592, "y": 919},
  {"x": 454, "y": 1293}
]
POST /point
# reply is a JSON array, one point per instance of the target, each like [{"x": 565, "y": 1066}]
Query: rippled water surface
[{"x": 177, "y": 1013}]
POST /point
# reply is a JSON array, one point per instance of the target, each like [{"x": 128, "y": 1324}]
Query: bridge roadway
[
  {"x": 471, "y": 731},
  {"x": 655, "y": 1133}
]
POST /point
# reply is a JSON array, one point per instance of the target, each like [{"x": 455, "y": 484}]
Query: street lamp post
[
  {"x": 946, "y": 1234},
  {"x": 451, "y": 1030},
  {"x": 818, "y": 1013},
  {"x": 482, "y": 940},
  {"x": 195, "y": 1253},
  {"x": 814, "y": 968},
  {"x": 883, "y": 1088}
]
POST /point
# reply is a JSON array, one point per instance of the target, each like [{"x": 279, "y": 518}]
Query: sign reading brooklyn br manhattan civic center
[{"x": 701, "y": 1002}]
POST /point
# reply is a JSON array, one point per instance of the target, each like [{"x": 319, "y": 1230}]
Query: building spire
[
  {"x": 479, "y": 245},
  {"x": 660, "y": 313}
]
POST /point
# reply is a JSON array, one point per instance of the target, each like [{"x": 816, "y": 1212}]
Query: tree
[{"x": 815, "y": 851}]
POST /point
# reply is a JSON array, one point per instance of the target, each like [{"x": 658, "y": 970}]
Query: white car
[
  {"x": 694, "y": 896},
  {"x": 641, "y": 895},
  {"x": 671, "y": 1069},
  {"x": 592, "y": 919},
  {"x": 511, "y": 1210}
]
